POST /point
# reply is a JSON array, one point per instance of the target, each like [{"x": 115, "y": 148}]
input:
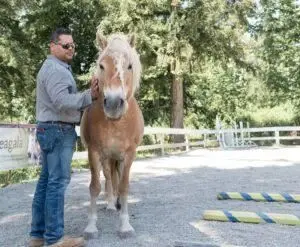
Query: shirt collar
[{"x": 67, "y": 66}]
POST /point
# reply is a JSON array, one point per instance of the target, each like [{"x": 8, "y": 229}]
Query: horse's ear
[
  {"x": 131, "y": 40},
  {"x": 101, "y": 40}
]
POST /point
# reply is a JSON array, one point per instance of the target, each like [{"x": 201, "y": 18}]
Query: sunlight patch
[{"x": 11, "y": 218}]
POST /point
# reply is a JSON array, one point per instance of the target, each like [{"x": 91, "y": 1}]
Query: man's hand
[{"x": 94, "y": 88}]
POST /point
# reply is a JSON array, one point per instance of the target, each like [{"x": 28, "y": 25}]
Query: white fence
[
  {"x": 160, "y": 138},
  {"x": 162, "y": 134},
  {"x": 243, "y": 137},
  {"x": 247, "y": 135}
]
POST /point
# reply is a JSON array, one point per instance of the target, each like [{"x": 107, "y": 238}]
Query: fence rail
[
  {"x": 247, "y": 135},
  {"x": 201, "y": 137},
  {"x": 243, "y": 136}
]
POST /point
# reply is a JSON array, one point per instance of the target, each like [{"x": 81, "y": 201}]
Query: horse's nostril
[
  {"x": 113, "y": 103},
  {"x": 121, "y": 102}
]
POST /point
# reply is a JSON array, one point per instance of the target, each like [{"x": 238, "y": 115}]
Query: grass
[
  {"x": 31, "y": 173},
  {"x": 20, "y": 175}
]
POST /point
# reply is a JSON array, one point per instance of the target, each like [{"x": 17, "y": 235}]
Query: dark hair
[{"x": 59, "y": 31}]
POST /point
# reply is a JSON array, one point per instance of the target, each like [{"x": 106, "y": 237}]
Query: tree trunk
[
  {"x": 177, "y": 107},
  {"x": 177, "y": 83}
]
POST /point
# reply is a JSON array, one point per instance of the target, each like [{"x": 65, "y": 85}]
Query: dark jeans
[{"x": 57, "y": 144}]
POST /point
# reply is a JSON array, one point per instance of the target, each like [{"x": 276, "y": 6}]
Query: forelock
[{"x": 119, "y": 49}]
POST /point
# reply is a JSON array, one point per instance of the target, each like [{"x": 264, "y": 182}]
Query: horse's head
[{"x": 118, "y": 71}]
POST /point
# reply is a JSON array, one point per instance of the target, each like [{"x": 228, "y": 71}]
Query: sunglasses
[{"x": 66, "y": 46}]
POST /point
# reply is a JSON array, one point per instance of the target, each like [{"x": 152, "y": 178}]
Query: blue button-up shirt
[{"x": 57, "y": 96}]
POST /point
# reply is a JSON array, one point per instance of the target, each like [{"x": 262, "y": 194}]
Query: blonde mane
[{"x": 120, "y": 50}]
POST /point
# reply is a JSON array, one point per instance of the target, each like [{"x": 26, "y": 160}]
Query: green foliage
[
  {"x": 208, "y": 44},
  {"x": 216, "y": 91},
  {"x": 281, "y": 115},
  {"x": 31, "y": 173},
  {"x": 80, "y": 164},
  {"x": 15, "y": 64},
  {"x": 215, "y": 28},
  {"x": 18, "y": 175},
  {"x": 175, "y": 43},
  {"x": 279, "y": 28},
  {"x": 27, "y": 26}
]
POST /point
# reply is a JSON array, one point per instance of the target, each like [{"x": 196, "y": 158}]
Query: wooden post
[
  {"x": 162, "y": 139},
  {"x": 236, "y": 138},
  {"x": 242, "y": 133},
  {"x": 223, "y": 138},
  {"x": 277, "y": 140},
  {"x": 248, "y": 132},
  {"x": 187, "y": 144}
]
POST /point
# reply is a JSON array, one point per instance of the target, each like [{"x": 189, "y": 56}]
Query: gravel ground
[{"x": 168, "y": 196}]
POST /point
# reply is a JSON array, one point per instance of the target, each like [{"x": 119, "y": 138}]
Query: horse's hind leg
[
  {"x": 126, "y": 230},
  {"x": 115, "y": 177},
  {"x": 116, "y": 181},
  {"x": 91, "y": 230},
  {"x": 108, "y": 170}
]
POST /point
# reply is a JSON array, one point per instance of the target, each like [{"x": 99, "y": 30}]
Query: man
[{"x": 58, "y": 110}]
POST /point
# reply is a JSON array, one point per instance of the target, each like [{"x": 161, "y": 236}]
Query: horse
[{"x": 112, "y": 127}]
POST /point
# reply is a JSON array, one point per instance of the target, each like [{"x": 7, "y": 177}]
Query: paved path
[{"x": 167, "y": 198}]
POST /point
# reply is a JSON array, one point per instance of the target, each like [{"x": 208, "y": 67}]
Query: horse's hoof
[
  {"x": 111, "y": 208},
  {"x": 127, "y": 234},
  {"x": 90, "y": 235},
  {"x": 118, "y": 204}
]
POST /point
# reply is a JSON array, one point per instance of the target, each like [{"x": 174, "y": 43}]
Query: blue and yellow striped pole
[
  {"x": 264, "y": 197},
  {"x": 250, "y": 217}
]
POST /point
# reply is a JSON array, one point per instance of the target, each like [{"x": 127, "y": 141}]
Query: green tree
[
  {"x": 196, "y": 55},
  {"x": 217, "y": 91},
  {"x": 27, "y": 26},
  {"x": 216, "y": 80},
  {"x": 279, "y": 27},
  {"x": 175, "y": 37},
  {"x": 15, "y": 65},
  {"x": 148, "y": 20}
]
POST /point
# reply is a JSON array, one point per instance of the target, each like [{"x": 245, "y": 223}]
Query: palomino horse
[{"x": 112, "y": 127}]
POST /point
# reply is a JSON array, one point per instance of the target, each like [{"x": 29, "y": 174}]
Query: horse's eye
[
  {"x": 101, "y": 67},
  {"x": 129, "y": 66}
]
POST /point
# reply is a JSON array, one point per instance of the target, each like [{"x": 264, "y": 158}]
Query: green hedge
[{"x": 282, "y": 115}]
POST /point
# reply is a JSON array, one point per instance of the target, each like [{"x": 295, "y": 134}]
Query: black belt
[{"x": 60, "y": 122}]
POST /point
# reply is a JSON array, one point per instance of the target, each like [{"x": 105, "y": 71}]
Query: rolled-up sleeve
[{"x": 57, "y": 86}]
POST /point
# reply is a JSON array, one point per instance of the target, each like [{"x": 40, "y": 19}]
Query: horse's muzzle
[{"x": 114, "y": 107}]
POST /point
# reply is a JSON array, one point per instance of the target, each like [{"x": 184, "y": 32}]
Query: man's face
[{"x": 64, "y": 48}]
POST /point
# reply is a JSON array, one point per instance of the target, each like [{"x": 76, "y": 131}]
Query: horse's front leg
[
  {"x": 126, "y": 230},
  {"x": 91, "y": 230}
]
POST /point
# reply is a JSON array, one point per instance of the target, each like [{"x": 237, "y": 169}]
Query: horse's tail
[{"x": 83, "y": 126}]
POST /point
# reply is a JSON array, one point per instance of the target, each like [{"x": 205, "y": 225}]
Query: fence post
[
  {"x": 162, "y": 138},
  {"x": 187, "y": 143},
  {"x": 204, "y": 140},
  {"x": 248, "y": 132},
  {"x": 236, "y": 138},
  {"x": 242, "y": 133},
  {"x": 277, "y": 137}
]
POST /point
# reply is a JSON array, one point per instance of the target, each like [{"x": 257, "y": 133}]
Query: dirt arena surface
[{"x": 168, "y": 196}]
